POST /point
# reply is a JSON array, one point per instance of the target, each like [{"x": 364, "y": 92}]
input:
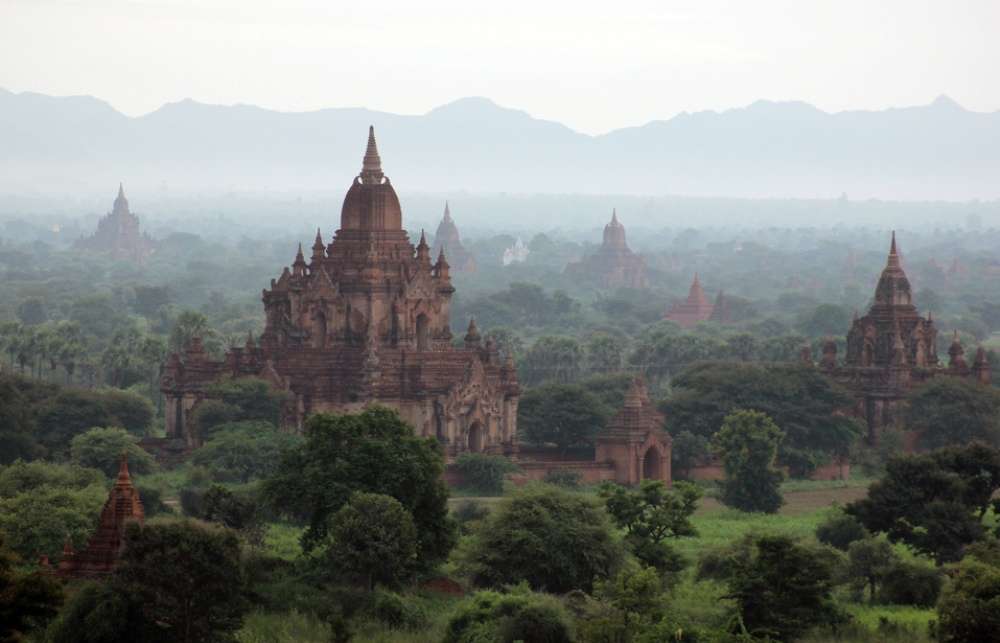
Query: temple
[
  {"x": 614, "y": 265},
  {"x": 696, "y": 308},
  {"x": 118, "y": 234},
  {"x": 635, "y": 440},
  {"x": 517, "y": 253},
  {"x": 103, "y": 549},
  {"x": 364, "y": 320},
  {"x": 447, "y": 240},
  {"x": 892, "y": 350}
]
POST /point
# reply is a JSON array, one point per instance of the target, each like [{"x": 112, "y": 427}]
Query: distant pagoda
[
  {"x": 104, "y": 548},
  {"x": 696, "y": 308},
  {"x": 614, "y": 265},
  {"x": 893, "y": 349},
  {"x": 447, "y": 240},
  {"x": 118, "y": 234}
]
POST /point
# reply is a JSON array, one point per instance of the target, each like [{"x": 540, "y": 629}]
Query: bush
[
  {"x": 396, "y": 611},
  {"x": 906, "y": 583},
  {"x": 21, "y": 477},
  {"x": 563, "y": 478},
  {"x": 192, "y": 501},
  {"x": 484, "y": 473},
  {"x": 373, "y": 538},
  {"x": 469, "y": 514},
  {"x": 551, "y": 538},
  {"x": 101, "y": 448},
  {"x": 152, "y": 500},
  {"x": 840, "y": 530},
  {"x": 520, "y": 615},
  {"x": 244, "y": 451},
  {"x": 969, "y": 609}
]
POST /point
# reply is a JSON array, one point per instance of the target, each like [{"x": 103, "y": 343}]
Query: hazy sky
[{"x": 595, "y": 66}]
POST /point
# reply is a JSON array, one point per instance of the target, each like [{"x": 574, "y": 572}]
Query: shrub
[
  {"x": 906, "y": 583},
  {"x": 840, "y": 530},
  {"x": 373, "y": 538},
  {"x": 969, "y": 609},
  {"x": 152, "y": 500},
  {"x": 519, "y": 615},
  {"x": 469, "y": 513},
  {"x": 551, "y": 538},
  {"x": 748, "y": 445},
  {"x": 396, "y": 611},
  {"x": 244, "y": 451},
  {"x": 101, "y": 448},
  {"x": 484, "y": 473},
  {"x": 563, "y": 478}
]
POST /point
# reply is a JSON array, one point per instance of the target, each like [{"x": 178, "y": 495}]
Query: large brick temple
[
  {"x": 365, "y": 320},
  {"x": 893, "y": 349},
  {"x": 696, "y": 308},
  {"x": 614, "y": 265},
  {"x": 118, "y": 234},
  {"x": 448, "y": 240}
]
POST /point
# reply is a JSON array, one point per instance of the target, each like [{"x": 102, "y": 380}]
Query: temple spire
[
  {"x": 121, "y": 190},
  {"x": 893, "y": 254},
  {"x": 423, "y": 250},
  {"x": 447, "y": 212},
  {"x": 124, "y": 478},
  {"x": 614, "y": 216},
  {"x": 371, "y": 166}
]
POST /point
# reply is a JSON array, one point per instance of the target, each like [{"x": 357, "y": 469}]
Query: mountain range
[{"x": 938, "y": 151}]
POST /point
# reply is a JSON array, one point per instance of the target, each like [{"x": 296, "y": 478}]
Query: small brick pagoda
[
  {"x": 892, "y": 350},
  {"x": 104, "y": 547},
  {"x": 696, "y": 308},
  {"x": 365, "y": 320},
  {"x": 447, "y": 240},
  {"x": 635, "y": 440},
  {"x": 118, "y": 234},
  {"x": 614, "y": 265}
]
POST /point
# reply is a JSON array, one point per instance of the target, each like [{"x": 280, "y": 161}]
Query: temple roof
[{"x": 371, "y": 203}]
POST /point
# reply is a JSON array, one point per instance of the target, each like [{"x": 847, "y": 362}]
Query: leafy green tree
[
  {"x": 188, "y": 325},
  {"x": 905, "y": 583},
  {"x": 553, "y": 539},
  {"x": 244, "y": 451},
  {"x": 373, "y": 537},
  {"x": 969, "y": 608},
  {"x": 742, "y": 347},
  {"x": 518, "y": 615},
  {"x": 935, "y": 502},
  {"x": 650, "y": 515},
  {"x": 552, "y": 359},
  {"x": 31, "y": 311},
  {"x": 22, "y": 477},
  {"x": 373, "y": 451},
  {"x": 239, "y": 511},
  {"x": 605, "y": 353},
  {"x": 38, "y": 521},
  {"x": 687, "y": 451},
  {"x": 782, "y": 589},
  {"x": 101, "y": 448},
  {"x": 74, "y": 411},
  {"x": 562, "y": 414},
  {"x": 840, "y": 530},
  {"x": 103, "y": 613},
  {"x": 27, "y": 601},
  {"x": 149, "y": 299},
  {"x": 748, "y": 446},
  {"x": 952, "y": 411},
  {"x": 826, "y": 320},
  {"x": 801, "y": 400},
  {"x": 255, "y": 398},
  {"x": 868, "y": 561},
  {"x": 484, "y": 473},
  {"x": 631, "y": 604},
  {"x": 189, "y": 577},
  {"x": 662, "y": 353},
  {"x": 17, "y": 439},
  {"x": 507, "y": 341}
]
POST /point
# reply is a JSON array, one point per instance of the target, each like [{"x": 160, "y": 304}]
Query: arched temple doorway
[
  {"x": 476, "y": 437},
  {"x": 651, "y": 465}
]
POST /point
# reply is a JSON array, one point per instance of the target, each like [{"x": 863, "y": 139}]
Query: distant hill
[{"x": 767, "y": 149}]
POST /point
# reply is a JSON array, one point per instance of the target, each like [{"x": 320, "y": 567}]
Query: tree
[
  {"x": 687, "y": 451},
  {"x": 631, "y": 604},
  {"x": 127, "y": 409},
  {"x": 27, "y": 601},
  {"x": 826, "y": 320},
  {"x": 189, "y": 577},
  {"x": 868, "y": 561},
  {"x": 951, "y": 411},
  {"x": 748, "y": 445},
  {"x": 969, "y": 608},
  {"x": 244, "y": 451},
  {"x": 17, "y": 439},
  {"x": 935, "y": 502},
  {"x": 517, "y": 615},
  {"x": 372, "y": 451},
  {"x": 801, "y": 400},
  {"x": 373, "y": 537},
  {"x": 31, "y": 311},
  {"x": 553, "y": 539},
  {"x": 650, "y": 515},
  {"x": 103, "y": 613},
  {"x": 782, "y": 589},
  {"x": 552, "y": 359},
  {"x": 840, "y": 530},
  {"x": 661, "y": 352},
  {"x": 484, "y": 473},
  {"x": 238, "y": 511},
  {"x": 37, "y": 521},
  {"x": 562, "y": 414},
  {"x": 605, "y": 353},
  {"x": 188, "y": 325},
  {"x": 73, "y": 411},
  {"x": 507, "y": 341},
  {"x": 101, "y": 448}
]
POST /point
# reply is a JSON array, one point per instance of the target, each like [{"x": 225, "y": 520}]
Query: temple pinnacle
[
  {"x": 447, "y": 212},
  {"x": 893, "y": 254},
  {"x": 121, "y": 190},
  {"x": 614, "y": 216},
  {"x": 371, "y": 166}
]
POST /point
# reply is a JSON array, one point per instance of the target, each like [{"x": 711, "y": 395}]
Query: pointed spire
[
  {"x": 614, "y": 216},
  {"x": 299, "y": 256},
  {"x": 893, "y": 254},
  {"x": 121, "y": 190},
  {"x": 447, "y": 212},
  {"x": 472, "y": 336},
  {"x": 318, "y": 243},
  {"x": 633, "y": 397},
  {"x": 423, "y": 250},
  {"x": 319, "y": 250},
  {"x": 371, "y": 166},
  {"x": 124, "y": 478},
  {"x": 442, "y": 265}
]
